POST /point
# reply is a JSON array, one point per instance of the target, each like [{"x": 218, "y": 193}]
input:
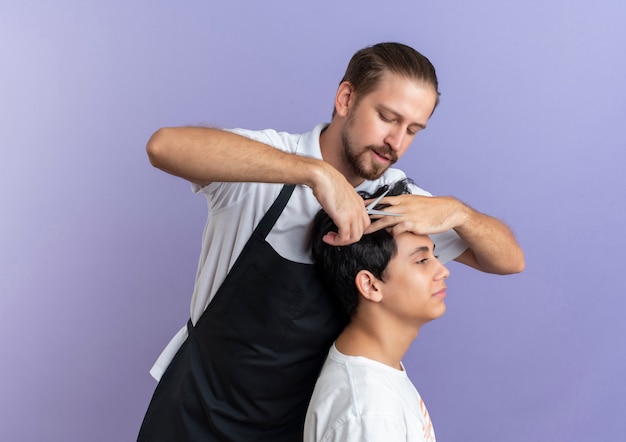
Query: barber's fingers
[
  {"x": 342, "y": 203},
  {"x": 351, "y": 227},
  {"x": 423, "y": 215}
]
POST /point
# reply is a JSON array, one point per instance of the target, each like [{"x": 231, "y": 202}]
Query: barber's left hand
[{"x": 423, "y": 215}]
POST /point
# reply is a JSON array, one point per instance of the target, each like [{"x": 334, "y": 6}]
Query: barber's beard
[{"x": 360, "y": 162}]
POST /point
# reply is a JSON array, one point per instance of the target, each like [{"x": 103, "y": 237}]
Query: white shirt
[
  {"x": 235, "y": 209},
  {"x": 360, "y": 400}
]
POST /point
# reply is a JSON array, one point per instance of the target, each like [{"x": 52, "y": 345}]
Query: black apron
[{"x": 247, "y": 370}]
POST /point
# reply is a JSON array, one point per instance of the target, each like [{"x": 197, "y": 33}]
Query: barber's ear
[
  {"x": 368, "y": 286},
  {"x": 344, "y": 98}
]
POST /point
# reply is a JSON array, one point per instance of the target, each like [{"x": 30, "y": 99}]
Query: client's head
[{"x": 400, "y": 274}]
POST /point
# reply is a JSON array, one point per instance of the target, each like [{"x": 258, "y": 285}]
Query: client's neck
[{"x": 383, "y": 341}]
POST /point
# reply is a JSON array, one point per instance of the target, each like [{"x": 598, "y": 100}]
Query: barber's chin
[{"x": 376, "y": 172}]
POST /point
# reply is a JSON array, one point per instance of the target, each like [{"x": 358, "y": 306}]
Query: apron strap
[
  {"x": 274, "y": 212},
  {"x": 267, "y": 223}
]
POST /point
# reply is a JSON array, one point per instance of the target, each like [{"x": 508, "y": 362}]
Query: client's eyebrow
[{"x": 420, "y": 250}]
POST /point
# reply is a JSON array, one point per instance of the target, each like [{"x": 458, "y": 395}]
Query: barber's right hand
[{"x": 343, "y": 204}]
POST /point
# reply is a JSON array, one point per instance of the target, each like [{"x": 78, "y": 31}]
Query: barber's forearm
[
  {"x": 492, "y": 246},
  {"x": 204, "y": 155}
]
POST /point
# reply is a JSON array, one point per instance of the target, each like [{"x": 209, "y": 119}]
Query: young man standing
[
  {"x": 390, "y": 287},
  {"x": 261, "y": 323}
]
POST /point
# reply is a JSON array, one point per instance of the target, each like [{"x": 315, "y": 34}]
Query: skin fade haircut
[{"x": 338, "y": 266}]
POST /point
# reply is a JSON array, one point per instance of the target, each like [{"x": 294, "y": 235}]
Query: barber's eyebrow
[{"x": 384, "y": 108}]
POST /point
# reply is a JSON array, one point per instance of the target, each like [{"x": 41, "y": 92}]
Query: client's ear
[{"x": 368, "y": 286}]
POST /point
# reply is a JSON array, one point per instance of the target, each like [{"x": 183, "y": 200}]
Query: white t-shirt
[
  {"x": 235, "y": 209},
  {"x": 360, "y": 400}
]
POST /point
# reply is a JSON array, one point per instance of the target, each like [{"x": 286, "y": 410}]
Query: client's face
[{"x": 414, "y": 280}]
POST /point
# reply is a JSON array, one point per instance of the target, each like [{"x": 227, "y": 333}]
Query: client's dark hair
[{"x": 339, "y": 265}]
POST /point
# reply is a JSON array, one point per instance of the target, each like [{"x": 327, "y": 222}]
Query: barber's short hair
[
  {"x": 367, "y": 66},
  {"x": 339, "y": 265}
]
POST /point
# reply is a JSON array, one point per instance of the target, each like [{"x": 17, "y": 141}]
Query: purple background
[{"x": 98, "y": 250}]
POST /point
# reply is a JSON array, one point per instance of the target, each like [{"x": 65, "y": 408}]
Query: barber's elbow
[
  {"x": 156, "y": 147},
  {"x": 516, "y": 264},
  {"x": 520, "y": 264}
]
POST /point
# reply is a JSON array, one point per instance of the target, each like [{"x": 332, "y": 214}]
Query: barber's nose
[{"x": 395, "y": 139}]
